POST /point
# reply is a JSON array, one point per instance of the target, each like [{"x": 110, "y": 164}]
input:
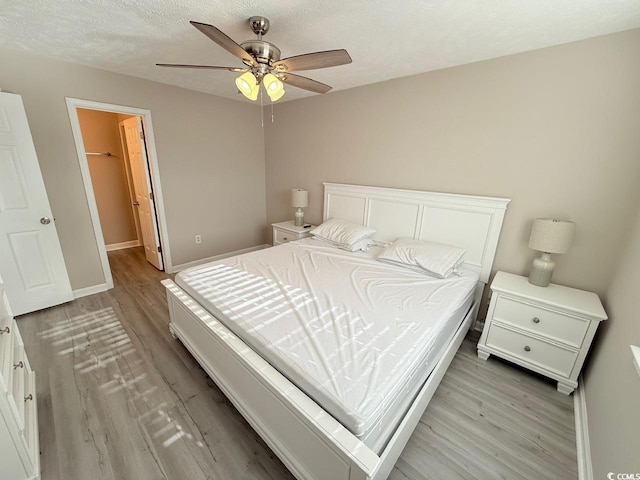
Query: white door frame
[{"x": 72, "y": 105}]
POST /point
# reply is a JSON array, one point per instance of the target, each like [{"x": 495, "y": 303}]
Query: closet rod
[{"x": 107, "y": 154}]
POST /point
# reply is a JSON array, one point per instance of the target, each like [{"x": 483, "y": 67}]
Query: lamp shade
[
  {"x": 299, "y": 198},
  {"x": 248, "y": 85},
  {"x": 274, "y": 87},
  {"x": 551, "y": 236}
]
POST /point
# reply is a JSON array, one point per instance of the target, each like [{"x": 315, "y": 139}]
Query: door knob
[
  {"x": 45, "y": 220},
  {"x": 136, "y": 203}
]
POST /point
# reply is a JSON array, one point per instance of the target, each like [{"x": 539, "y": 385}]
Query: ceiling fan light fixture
[
  {"x": 248, "y": 85},
  {"x": 275, "y": 96},
  {"x": 271, "y": 82},
  {"x": 273, "y": 86},
  {"x": 263, "y": 62}
]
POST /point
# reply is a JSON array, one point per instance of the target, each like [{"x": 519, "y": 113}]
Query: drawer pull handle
[
  {"x": 286, "y": 238},
  {"x": 28, "y": 397},
  {"x": 527, "y": 348},
  {"x": 20, "y": 364},
  {"x": 5, "y": 330},
  {"x": 536, "y": 320}
]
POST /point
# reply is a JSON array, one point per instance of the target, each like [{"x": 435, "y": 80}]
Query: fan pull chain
[
  {"x": 271, "y": 112},
  {"x": 261, "y": 110}
]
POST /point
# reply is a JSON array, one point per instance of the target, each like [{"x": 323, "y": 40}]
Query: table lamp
[
  {"x": 548, "y": 236},
  {"x": 299, "y": 200}
]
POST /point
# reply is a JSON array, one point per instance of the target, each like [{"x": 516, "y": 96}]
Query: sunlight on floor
[{"x": 98, "y": 344}]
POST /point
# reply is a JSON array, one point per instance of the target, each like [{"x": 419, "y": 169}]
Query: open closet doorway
[{"x": 119, "y": 168}]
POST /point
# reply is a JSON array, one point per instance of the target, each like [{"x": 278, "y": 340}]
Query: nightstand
[
  {"x": 284, "y": 232},
  {"x": 545, "y": 329}
]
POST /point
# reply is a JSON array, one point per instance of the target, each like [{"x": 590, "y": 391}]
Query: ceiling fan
[{"x": 263, "y": 64}]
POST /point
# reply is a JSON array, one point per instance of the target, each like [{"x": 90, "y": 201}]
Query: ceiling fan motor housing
[{"x": 263, "y": 52}]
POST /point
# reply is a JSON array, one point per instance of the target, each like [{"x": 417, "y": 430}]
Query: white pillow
[
  {"x": 342, "y": 233},
  {"x": 435, "y": 259},
  {"x": 361, "y": 245}
]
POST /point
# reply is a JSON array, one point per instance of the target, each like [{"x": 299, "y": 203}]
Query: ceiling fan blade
[
  {"x": 203, "y": 67},
  {"x": 304, "y": 83},
  {"x": 311, "y": 61},
  {"x": 224, "y": 41}
]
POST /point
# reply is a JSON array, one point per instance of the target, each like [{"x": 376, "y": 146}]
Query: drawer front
[
  {"x": 548, "y": 323},
  {"x": 30, "y": 416},
  {"x": 16, "y": 394},
  {"x": 7, "y": 327},
  {"x": 532, "y": 351},
  {"x": 280, "y": 236}
]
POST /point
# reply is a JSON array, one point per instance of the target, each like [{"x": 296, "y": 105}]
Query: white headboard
[{"x": 466, "y": 221}]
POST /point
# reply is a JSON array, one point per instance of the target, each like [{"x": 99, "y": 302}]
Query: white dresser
[
  {"x": 19, "y": 449},
  {"x": 546, "y": 329},
  {"x": 284, "y": 232}
]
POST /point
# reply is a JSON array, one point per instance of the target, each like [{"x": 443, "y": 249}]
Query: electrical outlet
[{"x": 198, "y": 239}]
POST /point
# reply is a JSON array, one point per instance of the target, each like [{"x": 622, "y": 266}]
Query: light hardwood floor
[{"x": 118, "y": 398}]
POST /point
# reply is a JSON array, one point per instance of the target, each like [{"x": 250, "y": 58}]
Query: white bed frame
[{"x": 310, "y": 442}]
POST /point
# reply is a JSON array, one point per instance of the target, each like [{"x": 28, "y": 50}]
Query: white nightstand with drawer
[
  {"x": 284, "y": 232},
  {"x": 545, "y": 329}
]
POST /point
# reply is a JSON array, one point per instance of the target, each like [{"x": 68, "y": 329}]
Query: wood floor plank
[
  {"x": 119, "y": 398},
  {"x": 225, "y": 432},
  {"x": 80, "y": 445}
]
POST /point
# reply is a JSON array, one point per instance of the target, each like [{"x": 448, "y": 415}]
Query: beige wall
[
  {"x": 611, "y": 383},
  {"x": 205, "y": 160},
  {"x": 556, "y": 130},
  {"x": 100, "y": 134}
]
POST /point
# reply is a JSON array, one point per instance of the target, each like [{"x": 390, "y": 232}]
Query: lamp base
[
  {"x": 541, "y": 270},
  {"x": 298, "y": 218}
]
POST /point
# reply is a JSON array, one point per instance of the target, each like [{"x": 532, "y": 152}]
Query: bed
[{"x": 319, "y": 428}]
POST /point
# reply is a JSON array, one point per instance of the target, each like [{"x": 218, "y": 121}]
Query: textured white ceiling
[{"x": 386, "y": 39}]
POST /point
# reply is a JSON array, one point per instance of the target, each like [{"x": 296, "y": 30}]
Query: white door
[
  {"x": 31, "y": 260},
  {"x": 142, "y": 188}
]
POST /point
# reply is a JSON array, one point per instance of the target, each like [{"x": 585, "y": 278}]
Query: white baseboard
[
  {"x": 583, "y": 446},
  {"x": 83, "y": 292},
  {"x": 121, "y": 245},
  {"x": 195, "y": 263}
]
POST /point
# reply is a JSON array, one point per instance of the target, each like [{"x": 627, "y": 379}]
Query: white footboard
[{"x": 310, "y": 442}]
